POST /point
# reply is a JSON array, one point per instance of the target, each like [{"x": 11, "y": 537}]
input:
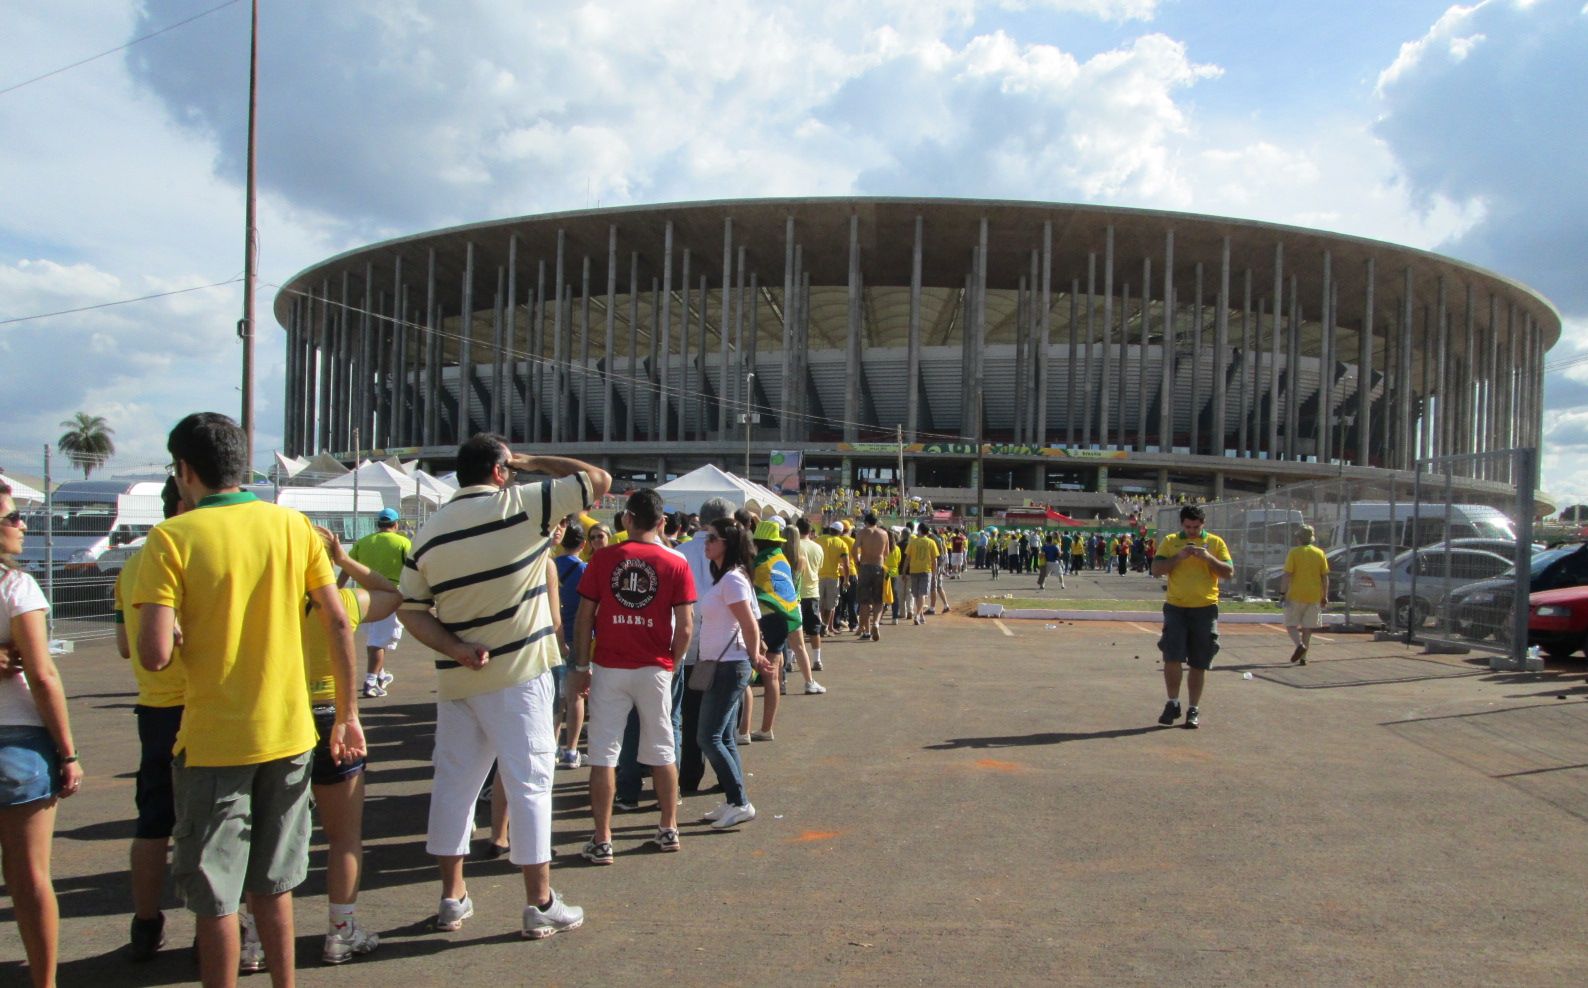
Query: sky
[{"x": 1458, "y": 129}]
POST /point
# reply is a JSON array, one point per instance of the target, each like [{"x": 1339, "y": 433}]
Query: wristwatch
[{"x": 583, "y": 668}]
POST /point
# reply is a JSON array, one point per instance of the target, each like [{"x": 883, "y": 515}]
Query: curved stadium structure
[{"x": 1052, "y": 346}]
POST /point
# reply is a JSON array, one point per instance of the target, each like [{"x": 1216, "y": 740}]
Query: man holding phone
[{"x": 1195, "y": 561}]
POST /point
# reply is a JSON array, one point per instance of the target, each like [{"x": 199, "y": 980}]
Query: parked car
[
  {"x": 1481, "y": 609},
  {"x": 112, "y": 560},
  {"x": 1557, "y": 620},
  {"x": 1371, "y": 585},
  {"x": 1342, "y": 559}
]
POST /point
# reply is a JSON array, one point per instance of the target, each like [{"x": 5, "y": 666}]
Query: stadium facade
[{"x": 1047, "y": 347}]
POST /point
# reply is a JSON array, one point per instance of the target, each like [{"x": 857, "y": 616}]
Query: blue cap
[{"x": 388, "y": 514}]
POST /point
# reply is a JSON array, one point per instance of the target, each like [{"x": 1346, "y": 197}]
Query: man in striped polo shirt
[{"x": 474, "y": 590}]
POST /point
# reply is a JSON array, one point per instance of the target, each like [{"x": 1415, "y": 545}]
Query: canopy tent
[
  {"x": 289, "y": 466},
  {"x": 696, "y": 487},
  {"x": 22, "y": 493},
  {"x": 396, "y": 488}
]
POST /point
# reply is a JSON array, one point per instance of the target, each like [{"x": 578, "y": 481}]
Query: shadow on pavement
[{"x": 1027, "y": 740}]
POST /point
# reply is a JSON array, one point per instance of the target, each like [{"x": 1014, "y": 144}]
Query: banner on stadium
[{"x": 783, "y": 475}]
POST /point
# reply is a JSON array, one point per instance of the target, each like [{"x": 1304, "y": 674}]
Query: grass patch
[{"x": 1067, "y": 604}]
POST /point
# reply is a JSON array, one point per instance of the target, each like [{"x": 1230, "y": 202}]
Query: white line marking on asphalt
[
  {"x": 1003, "y": 627},
  {"x": 1142, "y": 627}
]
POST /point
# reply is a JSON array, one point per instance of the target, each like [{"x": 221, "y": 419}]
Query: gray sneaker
[
  {"x": 557, "y": 918},
  {"x": 453, "y": 912}
]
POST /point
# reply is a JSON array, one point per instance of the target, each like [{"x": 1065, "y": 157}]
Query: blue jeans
[
  {"x": 630, "y": 773},
  {"x": 719, "y": 716}
]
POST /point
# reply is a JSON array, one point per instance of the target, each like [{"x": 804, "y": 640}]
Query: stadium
[{"x": 1002, "y": 352}]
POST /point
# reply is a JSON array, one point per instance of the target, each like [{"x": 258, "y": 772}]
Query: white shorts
[
  {"x": 512, "y": 726},
  {"x": 385, "y": 633},
  {"x": 956, "y": 559},
  {"x": 1300, "y": 615},
  {"x": 613, "y": 693}
]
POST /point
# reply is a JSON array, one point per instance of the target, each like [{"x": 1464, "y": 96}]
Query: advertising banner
[{"x": 783, "y": 476}]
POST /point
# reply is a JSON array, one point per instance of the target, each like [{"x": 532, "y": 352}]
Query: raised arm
[
  {"x": 383, "y": 595},
  {"x": 564, "y": 466}
]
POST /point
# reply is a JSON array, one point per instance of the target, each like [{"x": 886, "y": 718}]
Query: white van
[
  {"x": 1414, "y": 526},
  {"x": 86, "y": 517}
]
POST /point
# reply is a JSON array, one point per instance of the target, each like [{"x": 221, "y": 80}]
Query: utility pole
[
  {"x": 245, "y": 328},
  {"x": 898, "y": 436}
]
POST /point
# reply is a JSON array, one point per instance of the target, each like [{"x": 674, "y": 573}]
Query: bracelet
[
  {"x": 583, "y": 668},
  {"x": 69, "y": 759}
]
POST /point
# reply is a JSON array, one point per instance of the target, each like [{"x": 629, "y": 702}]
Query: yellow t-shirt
[
  {"x": 1192, "y": 583},
  {"x": 923, "y": 554},
  {"x": 833, "y": 549},
  {"x": 317, "y": 647},
  {"x": 235, "y": 571},
  {"x": 155, "y": 689},
  {"x": 1307, "y": 566}
]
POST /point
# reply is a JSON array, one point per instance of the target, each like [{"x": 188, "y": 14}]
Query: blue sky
[{"x": 1456, "y": 129}]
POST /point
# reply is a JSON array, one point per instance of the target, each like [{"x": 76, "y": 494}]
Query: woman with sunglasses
[
  {"x": 730, "y": 634},
  {"x": 38, "y": 760}
]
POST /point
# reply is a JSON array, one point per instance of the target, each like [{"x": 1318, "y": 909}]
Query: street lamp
[{"x": 749, "y": 390}]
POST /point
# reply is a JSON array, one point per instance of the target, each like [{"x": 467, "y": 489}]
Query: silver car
[{"x": 1371, "y": 585}]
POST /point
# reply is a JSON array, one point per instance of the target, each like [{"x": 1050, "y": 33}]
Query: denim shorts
[
  {"x": 30, "y": 766},
  {"x": 1190, "y": 635},
  {"x": 157, "y": 727},
  {"x": 325, "y": 771}
]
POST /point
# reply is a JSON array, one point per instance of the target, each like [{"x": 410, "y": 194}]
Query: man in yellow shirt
[
  {"x": 234, "y": 571},
  {"x": 921, "y": 556},
  {"x": 1194, "y": 561},
  {"x": 1305, "y": 584}
]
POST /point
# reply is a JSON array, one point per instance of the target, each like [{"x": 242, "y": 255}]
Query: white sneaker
[
  {"x": 716, "y": 812},
  {"x": 742, "y": 739},
  {"x": 557, "y": 918},
  {"x": 733, "y": 816},
  {"x": 813, "y": 687},
  {"x": 251, "y": 956},
  {"x": 453, "y": 912},
  {"x": 385, "y": 678},
  {"x": 342, "y": 946}
]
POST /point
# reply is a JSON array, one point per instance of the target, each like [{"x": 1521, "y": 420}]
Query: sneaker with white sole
[
  {"x": 762, "y": 736},
  {"x": 342, "y": 946},
  {"x": 733, "y": 816},
  {"x": 813, "y": 687},
  {"x": 386, "y": 678},
  {"x": 452, "y": 912},
  {"x": 597, "y": 852},
  {"x": 373, "y": 688},
  {"x": 716, "y": 812},
  {"x": 559, "y": 917},
  {"x": 666, "y": 839},
  {"x": 742, "y": 739}
]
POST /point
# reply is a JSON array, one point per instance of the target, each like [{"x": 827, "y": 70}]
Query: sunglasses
[{"x": 14, "y": 518}]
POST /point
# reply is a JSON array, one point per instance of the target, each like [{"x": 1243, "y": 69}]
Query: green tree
[{"x": 86, "y": 441}]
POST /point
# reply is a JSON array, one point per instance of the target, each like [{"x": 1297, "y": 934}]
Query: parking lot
[{"x": 992, "y": 802}]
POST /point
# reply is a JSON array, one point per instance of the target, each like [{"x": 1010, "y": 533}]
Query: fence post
[
  {"x": 1395, "y": 545},
  {"x": 49, "y": 547},
  {"x": 1345, "y": 540},
  {"x": 1523, "y": 463}
]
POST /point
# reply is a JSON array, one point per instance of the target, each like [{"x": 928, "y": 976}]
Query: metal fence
[{"x": 1408, "y": 556}]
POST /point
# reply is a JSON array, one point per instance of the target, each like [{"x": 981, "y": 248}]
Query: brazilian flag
[{"x": 774, "y": 586}]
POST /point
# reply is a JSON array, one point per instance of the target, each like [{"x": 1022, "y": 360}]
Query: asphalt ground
[{"x": 991, "y": 802}]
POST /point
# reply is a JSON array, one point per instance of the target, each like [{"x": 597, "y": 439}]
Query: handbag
[{"x": 704, "y": 673}]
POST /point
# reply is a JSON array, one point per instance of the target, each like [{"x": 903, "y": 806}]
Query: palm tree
[{"x": 86, "y": 441}]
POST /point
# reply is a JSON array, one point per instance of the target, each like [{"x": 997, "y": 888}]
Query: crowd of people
[{"x": 1045, "y": 554}]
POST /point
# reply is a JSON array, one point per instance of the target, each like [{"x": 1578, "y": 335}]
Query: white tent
[
  {"x": 21, "y": 493},
  {"x": 693, "y": 489},
  {"x": 394, "y": 486},
  {"x": 290, "y": 466}
]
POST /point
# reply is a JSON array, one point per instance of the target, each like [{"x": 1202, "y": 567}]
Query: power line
[
  {"x": 93, "y": 58},
  {"x": 123, "y": 301}
]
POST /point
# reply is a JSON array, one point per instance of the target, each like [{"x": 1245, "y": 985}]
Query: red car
[{"x": 1557, "y": 620}]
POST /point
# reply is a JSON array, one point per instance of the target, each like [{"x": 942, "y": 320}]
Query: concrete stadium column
[
  {"x": 1441, "y": 433},
  {"x": 583, "y": 370},
  {"x": 1323, "y": 421},
  {"x": 1121, "y": 370},
  {"x": 1035, "y": 355},
  {"x": 912, "y": 393},
  {"x": 1197, "y": 397},
  {"x": 741, "y": 395},
  {"x": 633, "y": 383},
  {"x": 466, "y": 347},
  {"x": 1044, "y": 352},
  {"x": 1364, "y": 374},
  {"x": 664, "y": 372},
  {"x": 686, "y": 369},
  {"x": 341, "y": 390},
  {"x": 289, "y": 397},
  {"x": 1425, "y": 401},
  {"x": 967, "y": 342},
  {"x": 1019, "y": 361},
  {"x": 1243, "y": 400},
  {"x": 508, "y": 357},
  {"x": 1071, "y": 367},
  {"x": 653, "y": 380},
  {"x": 852, "y": 339},
  {"x": 1221, "y": 344},
  {"x": 794, "y": 384},
  {"x": 1402, "y": 385},
  {"x": 1293, "y": 376},
  {"x": 1141, "y": 353},
  {"x": 1104, "y": 399},
  {"x": 1465, "y": 377},
  {"x": 1218, "y": 485},
  {"x": 559, "y": 432},
  {"x": 1275, "y": 316},
  {"x": 1163, "y": 481},
  {"x": 1166, "y": 387},
  {"x": 725, "y": 386},
  {"x": 494, "y": 414},
  {"x": 785, "y": 400},
  {"x": 363, "y": 376},
  {"x": 978, "y": 352},
  {"x": 1491, "y": 379},
  {"x": 752, "y": 335},
  {"x": 426, "y": 351},
  {"x": 607, "y": 360},
  {"x": 1089, "y": 399},
  {"x": 537, "y": 356},
  {"x": 805, "y": 343}
]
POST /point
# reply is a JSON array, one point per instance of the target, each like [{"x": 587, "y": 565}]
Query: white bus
[{"x": 1416, "y": 525}]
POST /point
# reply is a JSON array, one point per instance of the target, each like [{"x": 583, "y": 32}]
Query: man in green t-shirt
[{"x": 382, "y": 551}]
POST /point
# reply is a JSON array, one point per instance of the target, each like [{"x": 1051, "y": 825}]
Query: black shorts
[
  {"x": 325, "y": 771},
  {"x": 774, "y": 632},
  {"x": 809, "y": 619},
  {"x": 871, "y": 577},
  {"x": 1190, "y": 635},
  {"x": 152, "y": 792}
]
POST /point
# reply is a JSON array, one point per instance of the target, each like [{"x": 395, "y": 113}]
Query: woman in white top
[
  {"x": 730, "y": 635},
  {"x": 38, "y": 761}
]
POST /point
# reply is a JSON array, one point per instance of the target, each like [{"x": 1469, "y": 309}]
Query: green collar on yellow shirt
[{"x": 222, "y": 500}]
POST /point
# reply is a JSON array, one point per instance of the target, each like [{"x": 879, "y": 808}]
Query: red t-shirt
[{"x": 635, "y": 586}]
